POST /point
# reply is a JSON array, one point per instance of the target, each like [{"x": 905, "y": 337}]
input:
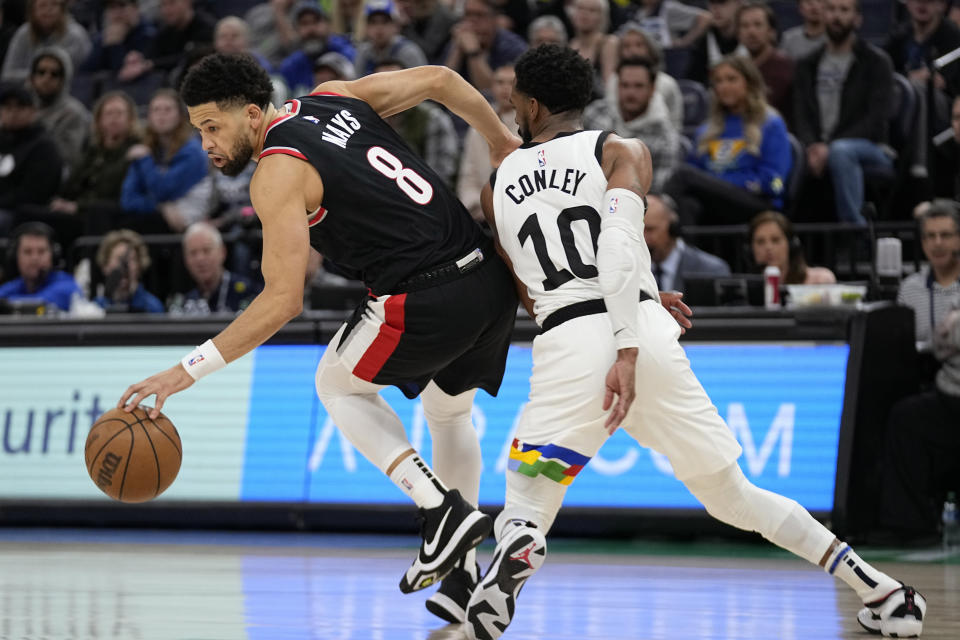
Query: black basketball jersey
[{"x": 386, "y": 215}]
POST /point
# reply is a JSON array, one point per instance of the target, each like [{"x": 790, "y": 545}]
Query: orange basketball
[{"x": 132, "y": 458}]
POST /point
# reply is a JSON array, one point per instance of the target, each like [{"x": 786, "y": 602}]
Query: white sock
[
  {"x": 414, "y": 478},
  {"x": 457, "y": 459},
  {"x": 870, "y": 584}
]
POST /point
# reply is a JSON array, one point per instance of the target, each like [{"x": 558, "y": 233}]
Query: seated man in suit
[{"x": 672, "y": 258}]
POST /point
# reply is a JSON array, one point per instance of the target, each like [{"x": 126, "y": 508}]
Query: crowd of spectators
[{"x": 755, "y": 113}]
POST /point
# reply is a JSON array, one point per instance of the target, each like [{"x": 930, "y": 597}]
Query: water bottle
[
  {"x": 771, "y": 287},
  {"x": 951, "y": 523}
]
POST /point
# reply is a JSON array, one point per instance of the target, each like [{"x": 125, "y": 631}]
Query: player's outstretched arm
[
  {"x": 395, "y": 91},
  {"x": 277, "y": 196}
]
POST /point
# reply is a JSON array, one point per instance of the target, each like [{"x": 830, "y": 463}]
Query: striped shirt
[{"x": 928, "y": 299}]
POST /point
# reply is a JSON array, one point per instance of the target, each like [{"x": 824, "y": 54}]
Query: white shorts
[{"x": 562, "y": 425}]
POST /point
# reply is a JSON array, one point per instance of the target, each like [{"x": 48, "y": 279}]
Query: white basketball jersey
[{"x": 548, "y": 204}]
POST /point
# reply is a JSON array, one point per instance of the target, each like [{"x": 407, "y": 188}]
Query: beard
[
  {"x": 239, "y": 158},
  {"x": 838, "y": 33},
  {"x": 525, "y": 134}
]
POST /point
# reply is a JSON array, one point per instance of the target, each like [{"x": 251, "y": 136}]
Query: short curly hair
[
  {"x": 123, "y": 236},
  {"x": 557, "y": 77},
  {"x": 229, "y": 80}
]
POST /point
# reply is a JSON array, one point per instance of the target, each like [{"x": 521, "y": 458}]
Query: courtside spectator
[
  {"x": 182, "y": 29},
  {"x": 89, "y": 202},
  {"x": 671, "y": 259},
  {"x": 124, "y": 30},
  {"x": 315, "y": 38},
  {"x": 741, "y": 156},
  {"x": 802, "y": 40},
  {"x": 217, "y": 289},
  {"x": 591, "y": 21},
  {"x": 163, "y": 169},
  {"x": 48, "y": 24},
  {"x": 639, "y": 112},
  {"x": 757, "y": 32},
  {"x": 773, "y": 243},
  {"x": 547, "y": 30},
  {"x": 332, "y": 66},
  {"x": 669, "y": 22},
  {"x": 636, "y": 43},
  {"x": 384, "y": 42},
  {"x": 932, "y": 291},
  {"x": 34, "y": 273},
  {"x": 65, "y": 117},
  {"x": 30, "y": 164},
  {"x": 478, "y": 46},
  {"x": 923, "y": 444},
  {"x": 719, "y": 40},
  {"x": 123, "y": 258},
  {"x": 841, "y": 108}
]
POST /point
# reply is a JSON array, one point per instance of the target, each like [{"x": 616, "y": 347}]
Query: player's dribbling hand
[
  {"x": 672, "y": 301},
  {"x": 620, "y": 383},
  {"x": 163, "y": 385}
]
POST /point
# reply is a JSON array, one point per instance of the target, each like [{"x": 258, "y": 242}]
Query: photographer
[{"x": 123, "y": 257}]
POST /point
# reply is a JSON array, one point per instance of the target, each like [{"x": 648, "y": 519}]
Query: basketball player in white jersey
[{"x": 567, "y": 208}]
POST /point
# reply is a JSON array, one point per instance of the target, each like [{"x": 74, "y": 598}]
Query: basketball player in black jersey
[{"x": 333, "y": 175}]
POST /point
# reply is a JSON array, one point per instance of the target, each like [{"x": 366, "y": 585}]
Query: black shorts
[{"x": 456, "y": 333}]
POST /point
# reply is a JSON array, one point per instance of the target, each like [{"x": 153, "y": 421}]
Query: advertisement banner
[
  {"x": 50, "y": 396},
  {"x": 256, "y": 431},
  {"x": 783, "y": 404}
]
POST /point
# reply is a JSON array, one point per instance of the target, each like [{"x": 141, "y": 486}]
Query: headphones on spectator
[
  {"x": 30, "y": 229},
  {"x": 794, "y": 247},
  {"x": 674, "y": 228}
]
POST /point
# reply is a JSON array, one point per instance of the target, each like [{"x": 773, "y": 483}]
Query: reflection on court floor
[{"x": 147, "y": 585}]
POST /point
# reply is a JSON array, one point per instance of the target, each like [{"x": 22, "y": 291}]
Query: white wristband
[{"x": 203, "y": 360}]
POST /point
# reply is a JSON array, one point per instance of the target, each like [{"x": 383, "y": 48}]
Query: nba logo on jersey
[
  {"x": 312, "y": 119},
  {"x": 542, "y": 158},
  {"x": 614, "y": 205}
]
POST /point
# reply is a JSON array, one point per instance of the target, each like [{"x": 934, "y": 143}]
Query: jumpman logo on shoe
[
  {"x": 524, "y": 554},
  {"x": 430, "y": 546}
]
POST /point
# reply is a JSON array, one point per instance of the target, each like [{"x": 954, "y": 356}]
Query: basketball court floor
[{"x": 146, "y": 585}]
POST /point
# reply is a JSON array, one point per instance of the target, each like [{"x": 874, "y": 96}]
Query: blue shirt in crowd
[
  {"x": 727, "y": 157},
  {"x": 147, "y": 183},
  {"x": 57, "y": 290},
  {"x": 142, "y": 301}
]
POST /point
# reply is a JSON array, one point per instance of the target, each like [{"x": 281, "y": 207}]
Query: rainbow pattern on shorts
[{"x": 556, "y": 463}]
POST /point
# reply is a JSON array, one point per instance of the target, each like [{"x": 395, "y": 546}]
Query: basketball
[{"x": 130, "y": 457}]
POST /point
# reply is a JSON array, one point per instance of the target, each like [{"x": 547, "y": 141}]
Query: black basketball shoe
[
  {"x": 450, "y": 600},
  {"x": 448, "y": 532},
  {"x": 517, "y": 557}
]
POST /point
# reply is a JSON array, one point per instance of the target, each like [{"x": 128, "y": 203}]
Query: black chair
[
  {"x": 675, "y": 61},
  {"x": 791, "y": 190},
  {"x": 881, "y": 184},
  {"x": 696, "y": 106}
]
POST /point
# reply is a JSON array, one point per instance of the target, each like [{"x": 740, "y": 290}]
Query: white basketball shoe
[
  {"x": 517, "y": 557},
  {"x": 898, "y": 615}
]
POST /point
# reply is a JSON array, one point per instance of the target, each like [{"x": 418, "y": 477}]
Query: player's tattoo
[{"x": 637, "y": 188}]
